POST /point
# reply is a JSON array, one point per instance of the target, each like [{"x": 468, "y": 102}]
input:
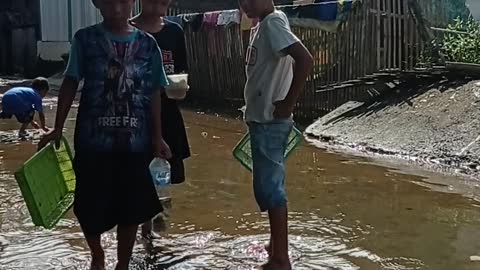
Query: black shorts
[
  {"x": 113, "y": 189},
  {"x": 177, "y": 169},
  {"x": 24, "y": 118}
]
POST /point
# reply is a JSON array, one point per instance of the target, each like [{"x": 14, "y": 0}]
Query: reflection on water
[{"x": 345, "y": 213}]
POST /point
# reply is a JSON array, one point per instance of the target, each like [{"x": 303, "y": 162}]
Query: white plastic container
[{"x": 178, "y": 86}]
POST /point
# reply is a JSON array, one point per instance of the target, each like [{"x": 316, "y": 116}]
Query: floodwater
[{"x": 345, "y": 213}]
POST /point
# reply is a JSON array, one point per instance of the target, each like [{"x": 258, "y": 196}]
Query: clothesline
[
  {"x": 281, "y": 6},
  {"x": 313, "y": 15}
]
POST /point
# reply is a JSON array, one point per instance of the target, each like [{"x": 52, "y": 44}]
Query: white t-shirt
[{"x": 269, "y": 70}]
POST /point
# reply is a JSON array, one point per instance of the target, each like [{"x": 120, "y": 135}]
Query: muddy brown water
[{"x": 345, "y": 213}]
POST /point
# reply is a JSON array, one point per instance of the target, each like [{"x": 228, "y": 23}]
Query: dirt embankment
[{"x": 435, "y": 123}]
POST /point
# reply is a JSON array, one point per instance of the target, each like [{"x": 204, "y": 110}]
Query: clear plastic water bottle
[
  {"x": 161, "y": 174},
  {"x": 160, "y": 171}
]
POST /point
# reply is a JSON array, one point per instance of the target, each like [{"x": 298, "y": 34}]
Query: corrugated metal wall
[
  {"x": 62, "y": 18},
  {"x": 84, "y": 14},
  {"x": 54, "y": 20}
]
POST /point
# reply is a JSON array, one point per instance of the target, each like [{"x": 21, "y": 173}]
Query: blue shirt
[
  {"x": 120, "y": 75},
  {"x": 20, "y": 100}
]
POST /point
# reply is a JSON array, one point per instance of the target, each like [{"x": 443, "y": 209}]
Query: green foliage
[{"x": 463, "y": 47}]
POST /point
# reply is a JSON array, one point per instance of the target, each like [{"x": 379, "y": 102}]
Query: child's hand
[
  {"x": 283, "y": 109},
  {"x": 161, "y": 149},
  {"x": 53, "y": 135}
]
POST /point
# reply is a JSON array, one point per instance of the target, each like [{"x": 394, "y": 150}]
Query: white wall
[
  {"x": 52, "y": 50},
  {"x": 55, "y": 24},
  {"x": 54, "y": 20},
  {"x": 54, "y": 16}
]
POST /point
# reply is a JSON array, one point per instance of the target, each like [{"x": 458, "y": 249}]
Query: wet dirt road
[{"x": 345, "y": 213}]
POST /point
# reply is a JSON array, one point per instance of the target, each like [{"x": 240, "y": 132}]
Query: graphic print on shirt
[
  {"x": 168, "y": 62},
  {"x": 114, "y": 114},
  {"x": 119, "y": 117}
]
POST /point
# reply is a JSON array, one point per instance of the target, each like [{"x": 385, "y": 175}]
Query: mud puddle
[{"x": 345, "y": 213}]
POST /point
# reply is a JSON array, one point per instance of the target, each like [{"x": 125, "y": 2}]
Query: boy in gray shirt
[{"x": 277, "y": 67}]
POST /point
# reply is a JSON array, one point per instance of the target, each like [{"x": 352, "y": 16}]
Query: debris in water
[
  {"x": 202, "y": 240},
  {"x": 475, "y": 258},
  {"x": 476, "y": 93},
  {"x": 204, "y": 134},
  {"x": 257, "y": 250},
  {"x": 12, "y": 136}
]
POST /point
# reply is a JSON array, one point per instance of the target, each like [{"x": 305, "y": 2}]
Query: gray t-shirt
[{"x": 269, "y": 70}]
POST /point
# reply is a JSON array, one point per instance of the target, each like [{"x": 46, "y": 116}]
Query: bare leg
[
  {"x": 279, "y": 259},
  {"x": 269, "y": 247},
  {"x": 98, "y": 256},
  {"x": 35, "y": 125},
  {"x": 126, "y": 235},
  {"x": 22, "y": 132},
  {"x": 147, "y": 229}
]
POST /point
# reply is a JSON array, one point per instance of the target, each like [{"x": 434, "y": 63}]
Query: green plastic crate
[
  {"x": 47, "y": 183},
  {"x": 243, "y": 152}
]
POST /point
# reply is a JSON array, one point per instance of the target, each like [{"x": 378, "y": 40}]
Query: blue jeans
[{"x": 269, "y": 142}]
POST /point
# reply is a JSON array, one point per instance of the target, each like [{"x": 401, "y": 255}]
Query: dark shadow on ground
[{"x": 404, "y": 91}]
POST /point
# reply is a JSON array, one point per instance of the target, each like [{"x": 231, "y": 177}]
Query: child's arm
[
  {"x": 160, "y": 147},
  {"x": 65, "y": 100},
  {"x": 38, "y": 105},
  {"x": 302, "y": 68},
  {"x": 41, "y": 116}
]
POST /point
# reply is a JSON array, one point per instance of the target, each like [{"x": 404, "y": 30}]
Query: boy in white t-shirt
[{"x": 277, "y": 66}]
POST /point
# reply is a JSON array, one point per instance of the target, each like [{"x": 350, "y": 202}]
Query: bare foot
[
  {"x": 150, "y": 236},
  {"x": 22, "y": 134},
  {"x": 35, "y": 125},
  {"x": 274, "y": 265}
]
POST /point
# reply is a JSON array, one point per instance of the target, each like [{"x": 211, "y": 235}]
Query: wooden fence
[
  {"x": 379, "y": 36},
  {"x": 216, "y": 63}
]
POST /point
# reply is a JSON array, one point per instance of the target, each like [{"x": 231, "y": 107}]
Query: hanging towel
[
  {"x": 210, "y": 19},
  {"x": 175, "y": 19},
  {"x": 229, "y": 17},
  {"x": 194, "y": 20},
  {"x": 323, "y": 14}
]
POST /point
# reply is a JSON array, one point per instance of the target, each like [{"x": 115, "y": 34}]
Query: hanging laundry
[
  {"x": 323, "y": 14},
  {"x": 345, "y": 5},
  {"x": 193, "y": 20},
  {"x": 210, "y": 19},
  {"x": 209, "y": 26},
  {"x": 175, "y": 19},
  {"x": 323, "y": 10},
  {"x": 229, "y": 17}
]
